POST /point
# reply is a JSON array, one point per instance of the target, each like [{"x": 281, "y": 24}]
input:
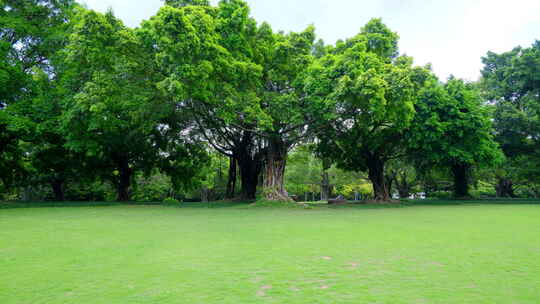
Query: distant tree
[
  {"x": 403, "y": 176},
  {"x": 304, "y": 172},
  {"x": 183, "y": 3}
]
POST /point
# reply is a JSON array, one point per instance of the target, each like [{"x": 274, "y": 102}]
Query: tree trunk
[
  {"x": 504, "y": 187},
  {"x": 274, "y": 175},
  {"x": 231, "y": 184},
  {"x": 460, "y": 173},
  {"x": 403, "y": 187},
  {"x": 124, "y": 181},
  {"x": 325, "y": 187},
  {"x": 389, "y": 180},
  {"x": 58, "y": 190},
  {"x": 250, "y": 169},
  {"x": 404, "y": 192},
  {"x": 249, "y": 159},
  {"x": 325, "y": 182},
  {"x": 205, "y": 195},
  {"x": 376, "y": 176}
]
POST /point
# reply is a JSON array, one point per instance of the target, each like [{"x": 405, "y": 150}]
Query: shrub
[
  {"x": 171, "y": 202},
  {"x": 441, "y": 195},
  {"x": 154, "y": 188}
]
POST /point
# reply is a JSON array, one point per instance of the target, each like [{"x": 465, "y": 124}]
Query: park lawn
[{"x": 477, "y": 253}]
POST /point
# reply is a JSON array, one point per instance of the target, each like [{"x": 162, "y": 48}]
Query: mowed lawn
[{"x": 153, "y": 254}]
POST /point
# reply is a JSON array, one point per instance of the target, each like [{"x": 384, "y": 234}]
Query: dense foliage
[
  {"x": 200, "y": 96},
  {"x": 511, "y": 81}
]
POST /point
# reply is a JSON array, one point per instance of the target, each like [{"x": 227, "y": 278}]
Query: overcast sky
[{"x": 451, "y": 34}]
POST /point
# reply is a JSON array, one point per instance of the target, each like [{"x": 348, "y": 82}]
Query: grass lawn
[{"x": 476, "y": 253}]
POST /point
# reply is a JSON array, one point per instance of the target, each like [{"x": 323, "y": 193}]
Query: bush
[
  {"x": 441, "y": 195},
  {"x": 171, "y": 202},
  {"x": 365, "y": 190},
  {"x": 154, "y": 188}
]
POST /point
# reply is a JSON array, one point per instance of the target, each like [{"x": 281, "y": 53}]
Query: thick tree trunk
[
  {"x": 249, "y": 160},
  {"x": 376, "y": 176},
  {"x": 460, "y": 173},
  {"x": 250, "y": 169},
  {"x": 231, "y": 184},
  {"x": 58, "y": 190},
  {"x": 274, "y": 175},
  {"x": 124, "y": 181},
  {"x": 504, "y": 187}
]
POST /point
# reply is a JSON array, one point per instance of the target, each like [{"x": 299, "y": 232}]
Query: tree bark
[
  {"x": 274, "y": 175},
  {"x": 377, "y": 177},
  {"x": 249, "y": 178},
  {"x": 231, "y": 184},
  {"x": 124, "y": 181},
  {"x": 460, "y": 172},
  {"x": 58, "y": 190},
  {"x": 250, "y": 166},
  {"x": 504, "y": 187}
]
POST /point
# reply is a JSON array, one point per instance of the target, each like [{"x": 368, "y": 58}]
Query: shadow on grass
[
  {"x": 487, "y": 201},
  {"x": 16, "y": 204},
  {"x": 434, "y": 202},
  {"x": 49, "y": 204}
]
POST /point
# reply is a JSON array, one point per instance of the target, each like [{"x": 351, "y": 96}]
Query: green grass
[{"x": 221, "y": 253}]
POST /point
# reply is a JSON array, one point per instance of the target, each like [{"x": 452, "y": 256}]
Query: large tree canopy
[
  {"x": 242, "y": 83},
  {"x": 205, "y": 56},
  {"x": 31, "y": 32},
  {"x": 371, "y": 97},
  {"x": 286, "y": 112},
  {"x": 114, "y": 108},
  {"x": 452, "y": 129},
  {"x": 512, "y": 81}
]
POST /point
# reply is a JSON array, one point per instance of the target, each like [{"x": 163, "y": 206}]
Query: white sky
[{"x": 452, "y": 35}]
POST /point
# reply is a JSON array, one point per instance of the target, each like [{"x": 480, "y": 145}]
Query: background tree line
[{"x": 203, "y": 102}]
